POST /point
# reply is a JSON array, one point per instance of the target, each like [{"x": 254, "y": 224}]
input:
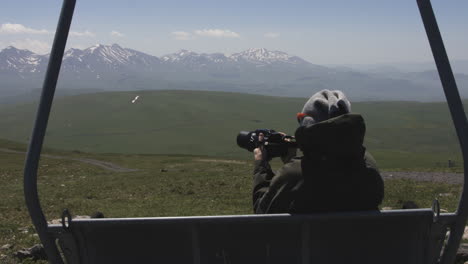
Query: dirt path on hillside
[
  {"x": 444, "y": 177},
  {"x": 103, "y": 164},
  {"x": 221, "y": 161}
]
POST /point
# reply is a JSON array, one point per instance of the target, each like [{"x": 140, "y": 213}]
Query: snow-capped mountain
[
  {"x": 180, "y": 56},
  {"x": 195, "y": 61},
  {"x": 261, "y": 71},
  {"x": 21, "y": 61},
  {"x": 252, "y": 57},
  {"x": 187, "y": 56},
  {"x": 101, "y": 58},
  {"x": 261, "y": 56},
  {"x": 114, "y": 58}
]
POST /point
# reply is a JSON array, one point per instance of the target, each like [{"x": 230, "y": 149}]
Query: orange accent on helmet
[{"x": 300, "y": 116}]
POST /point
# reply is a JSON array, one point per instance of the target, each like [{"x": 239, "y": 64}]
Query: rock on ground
[
  {"x": 36, "y": 252},
  {"x": 6, "y": 247}
]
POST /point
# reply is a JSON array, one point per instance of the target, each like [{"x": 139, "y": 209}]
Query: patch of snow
[
  {"x": 93, "y": 48},
  {"x": 262, "y": 55},
  {"x": 11, "y": 64},
  {"x": 32, "y": 60}
]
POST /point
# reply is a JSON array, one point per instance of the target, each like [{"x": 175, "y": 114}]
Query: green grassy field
[
  {"x": 183, "y": 145},
  {"x": 405, "y": 135},
  {"x": 164, "y": 185}
]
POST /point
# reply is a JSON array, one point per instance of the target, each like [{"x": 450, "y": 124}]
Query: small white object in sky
[{"x": 136, "y": 98}]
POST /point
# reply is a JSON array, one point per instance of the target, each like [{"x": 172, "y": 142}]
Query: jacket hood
[{"x": 338, "y": 137}]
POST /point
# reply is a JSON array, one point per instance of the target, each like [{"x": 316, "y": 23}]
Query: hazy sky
[{"x": 323, "y": 32}]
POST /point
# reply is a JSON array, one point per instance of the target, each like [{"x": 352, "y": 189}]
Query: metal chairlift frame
[{"x": 455, "y": 222}]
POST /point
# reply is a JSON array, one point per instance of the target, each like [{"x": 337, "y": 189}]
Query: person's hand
[
  {"x": 258, "y": 154},
  {"x": 291, "y": 151}
]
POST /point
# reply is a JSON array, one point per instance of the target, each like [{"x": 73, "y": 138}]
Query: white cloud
[
  {"x": 181, "y": 35},
  {"x": 115, "y": 33},
  {"x": 218, "y": 33},
  {"x": 33, "y": 45},
  {"x": 271, "y": 35},
  {"x": 82, "y": 34},
  {"x": 9, "y": 28}
]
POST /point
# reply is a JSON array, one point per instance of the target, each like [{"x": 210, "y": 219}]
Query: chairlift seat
[{"x": 401, "y": 236}]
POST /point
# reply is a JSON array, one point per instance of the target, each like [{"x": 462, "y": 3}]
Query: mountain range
[
  {"x": 114, "y": 58},
  {"x": 258, "y": 71}
]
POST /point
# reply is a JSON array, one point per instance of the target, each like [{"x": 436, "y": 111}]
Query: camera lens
[{"x": 243, "y": 140}]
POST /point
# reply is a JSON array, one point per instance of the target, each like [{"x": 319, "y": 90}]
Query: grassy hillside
[
  {"x": 164, "y": 185},
  {"x": 399, "y": 134}
]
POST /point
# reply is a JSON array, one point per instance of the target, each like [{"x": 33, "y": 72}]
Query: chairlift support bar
[
  {"x": 455, "y": 221},
  {"x": 40, "y": 126},
  {"x": 459, "y": 120}
]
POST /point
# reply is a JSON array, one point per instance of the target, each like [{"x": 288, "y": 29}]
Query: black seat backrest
[{"x": 388, "y": 237}]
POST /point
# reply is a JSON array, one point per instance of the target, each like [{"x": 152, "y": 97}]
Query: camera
[{"x": 276, "y": 144}]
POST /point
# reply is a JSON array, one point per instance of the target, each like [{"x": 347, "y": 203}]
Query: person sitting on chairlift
[{"x": 335, "y": 173}]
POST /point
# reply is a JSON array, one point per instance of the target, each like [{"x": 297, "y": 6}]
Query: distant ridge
[
  {"x": 112, "y": 57},
  {"x": 255, "y": 71}
]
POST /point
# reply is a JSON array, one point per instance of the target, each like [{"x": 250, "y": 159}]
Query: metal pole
[
  {"x": 40, "y": 126},
  {"x": 459, "y": 120}
]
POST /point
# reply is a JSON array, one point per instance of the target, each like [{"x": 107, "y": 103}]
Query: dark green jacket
[{"x": 336, "y": 173}]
